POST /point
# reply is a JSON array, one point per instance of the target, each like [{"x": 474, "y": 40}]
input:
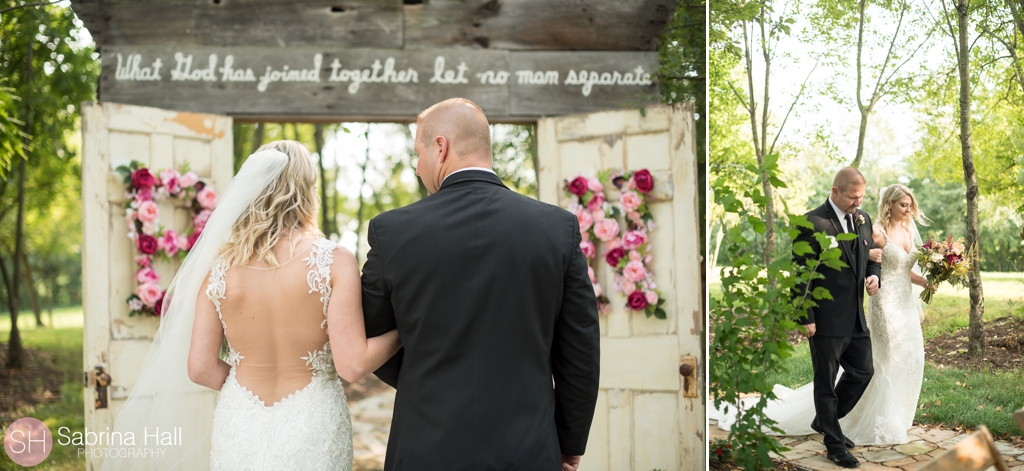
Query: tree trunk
[
  {"x": 536, "y": 159},
  {"x": 16, "y": 352},
  {"x": 761, "y": 148},
  {"x": 257, "y": 137},
  {"x": 976, "y": 335},
  {"x": 33, "y": 295},
  {"x": 318, "y": 138},
  {"x": 362, "y": 183},
  {"x": 419, "y": 183},
  {"x": 860, "y": 102}
]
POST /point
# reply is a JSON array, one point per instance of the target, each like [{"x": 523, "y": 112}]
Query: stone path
[
  {"x": 371, "y": 423},
  {"x": 925, "y": 444}
]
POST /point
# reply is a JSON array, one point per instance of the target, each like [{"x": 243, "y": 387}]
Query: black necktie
[{"x": 849, "y": 223}]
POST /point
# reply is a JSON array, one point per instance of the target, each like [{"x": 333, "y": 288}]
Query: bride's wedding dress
[
  {"x": 273, "y": 350},
  {"x": 886, "y": 410}
]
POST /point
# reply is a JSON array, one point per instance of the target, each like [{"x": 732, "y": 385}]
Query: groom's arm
[
  {"x": 576, "y": 354},
  {"x": 378, "y": 314},
  {"x": 874, "y": 268}
]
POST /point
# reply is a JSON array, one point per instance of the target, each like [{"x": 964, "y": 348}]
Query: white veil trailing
[{"x": 168, "y": 416}]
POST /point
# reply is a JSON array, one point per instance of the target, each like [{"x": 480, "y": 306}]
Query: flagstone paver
[
  {"x": 371, "y": 425},
  {"x": 808, "y": 453}
]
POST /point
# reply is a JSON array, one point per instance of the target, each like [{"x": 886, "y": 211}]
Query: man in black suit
[
  {"x": 490, "y": 294},
  {"x": 837, "y": 331}
]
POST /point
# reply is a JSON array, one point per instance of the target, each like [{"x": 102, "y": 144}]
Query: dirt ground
[
  {"x": 39, "y": 382},
  {"x": 1004, "y": 349}
]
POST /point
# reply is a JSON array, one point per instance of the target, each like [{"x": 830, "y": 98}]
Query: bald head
[
  {"x": 848, "y": 189},
  {"x": 848, "y": 176},
  {"x": 451, "y": 135}
]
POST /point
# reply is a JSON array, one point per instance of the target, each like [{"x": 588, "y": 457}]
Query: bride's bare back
[{"x": 274, "y": 322}]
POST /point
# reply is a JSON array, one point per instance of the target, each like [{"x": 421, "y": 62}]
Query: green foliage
[
  {"x": 758, "y": 308},
  {"x": 682, "y": 57}
]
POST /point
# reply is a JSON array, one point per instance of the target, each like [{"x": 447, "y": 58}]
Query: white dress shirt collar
[
  {"x": 840, "y": 214},
  {"x": 467, "y": 168}
]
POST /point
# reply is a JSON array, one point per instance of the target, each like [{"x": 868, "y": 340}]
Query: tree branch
[
  {"x": 27, "y": 5},
  {"x": 792, "y": 105}
]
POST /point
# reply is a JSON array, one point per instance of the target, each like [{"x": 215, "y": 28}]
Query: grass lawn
[
  {"x": 66, "y": 345},
  {"x": 949, "y": 396},
  {"x": 63, "y": 318}
]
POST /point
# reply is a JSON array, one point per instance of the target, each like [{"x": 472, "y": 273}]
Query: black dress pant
[{"x": 832, "y": 401}]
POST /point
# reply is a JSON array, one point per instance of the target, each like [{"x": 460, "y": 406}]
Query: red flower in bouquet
[
  {"x": 142, "y": 179},
  {"x": 147, "y": 244},
  {"x": 578, "y": 186},
  {"x": 637, "y": 301},
  {"x": 644, "y": 181}
]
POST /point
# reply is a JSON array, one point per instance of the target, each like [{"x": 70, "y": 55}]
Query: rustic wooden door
[
  {"x": 649, "y": 416},
  {"x": 114, "y": 135}
]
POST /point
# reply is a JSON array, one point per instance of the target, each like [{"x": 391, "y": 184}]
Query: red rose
[
  {"x": 147, "y": 244},
  {"x": 644, "y": 181},
  {"x": 192, "y": 238},
  {"x": 578, "y": 186},
  {"x": 142, "y": 179},
  {"x": 158, "y": 308},
  {"x": 637, "y": 301},
  {"x": 614, "y": 255}
]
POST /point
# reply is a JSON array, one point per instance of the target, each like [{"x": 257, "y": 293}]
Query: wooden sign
[{"x": 374, "y": 84}]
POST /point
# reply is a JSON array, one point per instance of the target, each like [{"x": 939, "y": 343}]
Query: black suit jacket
[
  {"x": 843, "y": 315},
  {"x": 491, "y": 297}
]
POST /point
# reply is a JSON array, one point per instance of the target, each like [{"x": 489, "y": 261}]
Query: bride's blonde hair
[
  {"x": 289, "y": 206},
  {"x": 892, "y": 194}
]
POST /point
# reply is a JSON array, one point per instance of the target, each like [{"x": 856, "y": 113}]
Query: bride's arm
[
  {"x": 875, "y": 254},
  {"x": 355, "y": 355},
  {"x": 918, "y": 280},
  {"x": 205, "y": 367}
]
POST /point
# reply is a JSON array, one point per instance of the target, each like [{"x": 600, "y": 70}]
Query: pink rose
[
  {"x": 652, "y": 297},
  {"x": 637, "y": 301},
  {"x": 169, "y": 178},
  {"x": 613, "y": 244},
  {"x": 192, "y": 238},
  {"x": 149, "y": 293},
  {"x": 643, "y": 180},
  {"x": 634, "y": 271},
  {"x": 585, "y": 219},
  {"x": 145, "y": 194},
  {"x": 182, "y": 242},
  {"x": 647, "y": 260},
  {"x": 635, "y": 217},
  {"x": 147, "y": 244},
  {"x": 607, "y": 229},
  {"x": 595, "y": 202},
  {"x": 597, "y": 289},
  {"x": 634, "y": 255},
  {"x": 614, "y": 255},
  {"x": 593, "y": 184},
  {"x": 590, "y": 273},
  {"x": 628, "y": 288},
  {"x": 148, "y": 212},
  {"x": 578, "y": 186},
  {"x": 630, "y": 201},
  {"x": 143, "y": 260},
  {"x": 141, "y": 178},
  {"x": 169, "y": 242},
  {"x": 633, "y": 239},
  {"x": 588, "y": 248},
  {"x": 188, "y": 180},
  {"x": 207, "y": 198},
  {"x": 598, "y": 215},
  {"x": 201, "y": 219},
  {"x": 147, "y": 275}
]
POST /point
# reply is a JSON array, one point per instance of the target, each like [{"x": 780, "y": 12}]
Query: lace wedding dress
[
  {"x": 309, "y": 429},
  {"x": 886, "y": 410}
]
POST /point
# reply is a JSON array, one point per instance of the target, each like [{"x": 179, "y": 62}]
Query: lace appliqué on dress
[
  {"x": 216, "y": 291},
  {"x": 319, "y": 278}
]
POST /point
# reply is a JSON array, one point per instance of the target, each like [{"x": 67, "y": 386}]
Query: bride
[
  {"x": 886, "y": 410},
  {"x": 269, "y": 313}
]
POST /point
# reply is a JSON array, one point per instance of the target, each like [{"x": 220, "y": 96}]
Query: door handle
[
  {"x": 687, "y": 370},
  {"x": 102, "y": 379}
]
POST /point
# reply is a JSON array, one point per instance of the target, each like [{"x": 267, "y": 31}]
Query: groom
[
  {"x": 490, "y": 294},
  {"x": 836, "y": 329}
]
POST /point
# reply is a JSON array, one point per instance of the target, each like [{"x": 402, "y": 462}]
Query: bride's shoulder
[{"x": 878, "y": 234}]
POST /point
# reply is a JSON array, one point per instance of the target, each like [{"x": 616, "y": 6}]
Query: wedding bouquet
[{"x": 943, "y": 261}]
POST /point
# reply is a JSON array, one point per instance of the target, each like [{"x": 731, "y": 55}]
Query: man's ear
[{"x": 443, "y": 148}]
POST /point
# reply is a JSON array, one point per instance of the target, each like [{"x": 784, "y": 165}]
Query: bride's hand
[{"x": 876, "y": 255}]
